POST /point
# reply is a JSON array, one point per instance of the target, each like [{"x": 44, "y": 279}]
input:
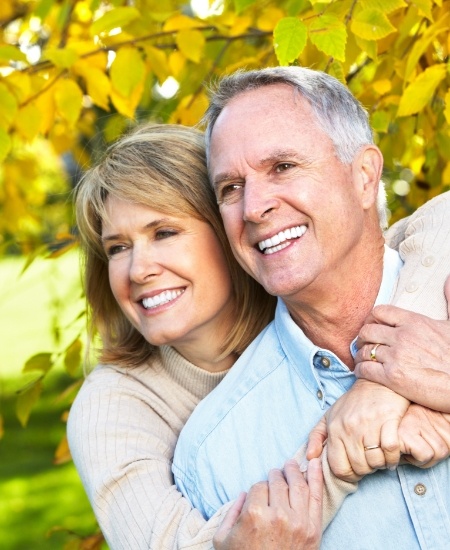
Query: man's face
[{"x": 292, "y": 211}]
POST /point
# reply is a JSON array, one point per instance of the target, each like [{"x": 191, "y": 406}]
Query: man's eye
[
  {"x": 229, "y": 193},
  {"x": 283, "y": 166}
]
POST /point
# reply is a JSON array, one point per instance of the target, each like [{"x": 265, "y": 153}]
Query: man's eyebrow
[
  {"x": 280, "y": 155},
  {"x": 119, "y": 236}
]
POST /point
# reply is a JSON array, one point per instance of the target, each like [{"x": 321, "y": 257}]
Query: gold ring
[
  {"x": 370, "y": 447},
  {"x": 373, "y": 352}
]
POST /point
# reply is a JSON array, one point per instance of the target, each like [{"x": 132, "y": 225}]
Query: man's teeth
[
  {"x": 163, "y": 298},
  {"x": 275, "y": 243}
]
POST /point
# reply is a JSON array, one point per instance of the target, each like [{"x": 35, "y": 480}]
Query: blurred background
[{"x": 76, "y": 74}]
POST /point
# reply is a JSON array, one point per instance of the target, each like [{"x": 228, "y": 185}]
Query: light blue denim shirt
[{"x": 264, "y": 409}]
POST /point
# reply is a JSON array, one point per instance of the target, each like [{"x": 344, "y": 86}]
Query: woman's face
[{"x": 169, "y": 276}]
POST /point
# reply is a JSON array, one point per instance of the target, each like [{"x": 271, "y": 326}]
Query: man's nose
[{"x": 259, "y": 201}]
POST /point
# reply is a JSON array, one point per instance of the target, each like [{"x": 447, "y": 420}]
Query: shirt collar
[{"x": 295, "y": 343}]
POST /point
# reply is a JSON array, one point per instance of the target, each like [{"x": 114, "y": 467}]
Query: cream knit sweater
[{"x": 124, "y": 424}]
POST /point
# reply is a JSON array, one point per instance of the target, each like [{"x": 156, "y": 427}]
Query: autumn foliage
[{"x": 74, "y": 74}]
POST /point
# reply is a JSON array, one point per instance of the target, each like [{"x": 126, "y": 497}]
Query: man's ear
[{"x": 367, "y": 171}]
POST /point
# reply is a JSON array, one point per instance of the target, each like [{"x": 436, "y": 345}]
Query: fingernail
[
  {"x": 304, "y": 465},
  {"x": 392, "y": 468}
]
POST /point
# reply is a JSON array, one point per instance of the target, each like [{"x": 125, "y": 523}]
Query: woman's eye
[
  {"x": 115, "y": 249},
  {"x": 165, "y": 233}
]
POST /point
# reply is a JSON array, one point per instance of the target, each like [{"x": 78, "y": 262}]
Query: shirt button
[
  {"x": 428, "y": 260},
  {"x": 320, "y": 394},
  {"x": 420, "y": 489},
  {"x": 325, "y": 362},
  {"x": 411, "y": 287}
]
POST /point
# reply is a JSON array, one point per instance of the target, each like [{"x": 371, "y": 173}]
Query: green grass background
[{"x": 41, "y": 503}]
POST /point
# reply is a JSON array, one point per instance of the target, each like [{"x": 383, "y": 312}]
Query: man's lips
[{"x": 281, "y": 240}]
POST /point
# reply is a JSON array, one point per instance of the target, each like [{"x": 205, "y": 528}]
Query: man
[{"x": 296, "y": 175}]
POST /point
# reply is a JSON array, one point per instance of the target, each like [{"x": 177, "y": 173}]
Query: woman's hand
[
  {"x": 413, "y": 355},
  {"x": 284, "y": 513}
]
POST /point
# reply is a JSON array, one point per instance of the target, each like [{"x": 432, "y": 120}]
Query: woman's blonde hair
[{"x": 164, "y": 167}]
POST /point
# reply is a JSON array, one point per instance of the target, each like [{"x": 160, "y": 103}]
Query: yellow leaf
[
  {"x": 114, "y": 19},
  {"x": 446, "y": 174},
  {"x": 28, "y": 121},
  {"x": 386, "y": 6},
  {"x": 72, "y": 358},
  {"x": 371, "y": 24},
  {"x": 177, "y": 61},
  {"x": 382, "y": 86},
  {"x": 425, "y": 8},
  {"x": 158, "y": 62},
  {"x": 8, "y": 106},
  {"x": 127, "y": 105},
  {"x": 26, "y": 401},
  {"x": 40, "y": 361},
  {"x": 269, "y": 18},
  {"x": 369, "y": 47},
  {"x": 240, "y": 25},
  {"x": 418, "y": 94},
  {"x": 20, "y": 84},
  {"x": 190, "y": 110},
  {"x": 68, "y": 99},
  {"x": 46, "y": 105},
  {"x": 97, "y": 83},
  {"x": 5, "y": 144},
  {"x": 422, "y": 44},
  {"x": 62, "y": 58},
  {"x": 62, "y": 453},
  {"x": 447, "y": 107},
  {"x": 127, "y": 71},
  {"x": 179, "y": 22},
  {"x": 191, "y": 44}
]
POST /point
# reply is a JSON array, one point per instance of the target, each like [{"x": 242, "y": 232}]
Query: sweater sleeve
[
  {"x": 123, "y": 449},
  {"x": 423, "y": 241}
]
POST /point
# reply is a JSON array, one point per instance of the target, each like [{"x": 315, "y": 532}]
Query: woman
[{"x": 173, "y": 311}]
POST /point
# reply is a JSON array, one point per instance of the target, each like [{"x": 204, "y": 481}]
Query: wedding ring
[
  {"x": 371, "y": 447},
  {"x": 373, "y": 352}
]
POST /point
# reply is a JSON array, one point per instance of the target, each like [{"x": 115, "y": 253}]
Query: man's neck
[{"x": 332, "y": 318}]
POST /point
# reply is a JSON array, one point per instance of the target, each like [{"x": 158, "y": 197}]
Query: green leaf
[
  {"x": 40, "y": 361},
  {"x": 386, "y": 6},
  {"x": 294, "y": 7},
  {"x": 127, "y": 70},
  {"x": 329, "y": 35},
  {"x": 11, "y": 53},
  {"x": 63, "y": 59},
  {"x": 26, "y": 401},
  {"x": 5, "y": 144},
  {"x": 72, "y": 358},
  {"x": 380, "y": 121},
  {"x": 419, "y": 93},
  {"x": 371, "y": 24},
  {"x": 241, "y": 5},
  {"x": 116, "y": 18},
  {"x": 289, "y": 37}
]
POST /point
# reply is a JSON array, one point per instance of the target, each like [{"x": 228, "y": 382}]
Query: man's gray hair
[{"x": 340, "y": 115}]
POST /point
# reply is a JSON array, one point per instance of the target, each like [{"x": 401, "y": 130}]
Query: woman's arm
[
  {"x": 122, "y": 439},
  {"x": 122, "y": 435}
]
